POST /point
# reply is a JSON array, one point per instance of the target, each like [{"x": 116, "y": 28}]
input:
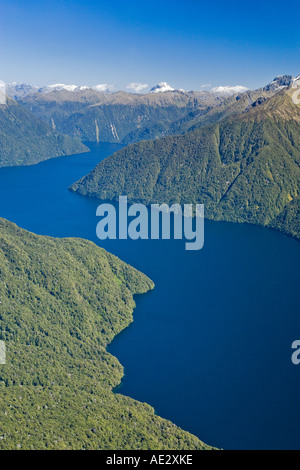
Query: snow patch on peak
[
  {"x": 62, "y": 87},
  {"x": 279, "y": 82},
  {"x": 18, "y": 90}
]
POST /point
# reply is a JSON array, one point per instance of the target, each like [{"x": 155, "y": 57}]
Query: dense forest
[
  {"x": 245, "y": 168},
  {"x": 61, "y": 302},
  {"x": 26, "y": 140},
  {"x": 118, "y": 117}
]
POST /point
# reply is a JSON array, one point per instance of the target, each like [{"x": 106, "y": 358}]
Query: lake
[{"x": 210, "y": 347}]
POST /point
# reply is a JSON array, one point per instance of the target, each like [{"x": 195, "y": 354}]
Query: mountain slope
[
  {"x": 126, "y": 117},
  {"x": 25, "y": 139},
  {"x": 62, "y": 302},
  {"x": 115, "y": 117},
  {"x": 231, "y": 107},
  {"x": 244, "y": 169}
]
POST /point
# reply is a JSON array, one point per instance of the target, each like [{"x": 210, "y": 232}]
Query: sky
[{"x": 189, "y": 44}]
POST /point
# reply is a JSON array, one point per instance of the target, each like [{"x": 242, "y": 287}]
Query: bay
[{"x": 210, "y": 347}]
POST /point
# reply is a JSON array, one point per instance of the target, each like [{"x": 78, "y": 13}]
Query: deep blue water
[{"x": 210, "y": 347}]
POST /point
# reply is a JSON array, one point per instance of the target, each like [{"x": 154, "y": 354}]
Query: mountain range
[
  {"x": 118, "y": 117},
  {"x": 241, "y": 159},
  {"x": 95, "y": 115},
  {"x": 238, "y": 154},
  {"x": 19, "y": 90},
  {"x": 46, "y": 122},
  {"x": 64, "y": 300}
]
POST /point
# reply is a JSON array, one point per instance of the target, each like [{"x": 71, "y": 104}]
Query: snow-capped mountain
[
  {"x": 102, "y": 87},
  {"x": 161, "y": 88},
  {"x": 279, "y": 82},
  {"x": 61, "y": 87},
  {"x": 19, "y": 91},
  {"x": 16, "y": 91}
]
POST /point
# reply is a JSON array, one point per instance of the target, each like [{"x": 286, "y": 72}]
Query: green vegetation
[
  {"x": 127, "y": 118},
  {"x": 244, "y": 169},
  {"x": 26, "y": 140},
  {"x": 289, "y": 220},
  {"x": 117, "y": 117},
  {"x": 61, "y": 302},
  {"x": 232, "y": 107}
]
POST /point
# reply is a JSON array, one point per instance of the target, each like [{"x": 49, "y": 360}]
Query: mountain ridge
[
  {"x": 244, "y": 168},
  {"x": 122, "y": 117}
]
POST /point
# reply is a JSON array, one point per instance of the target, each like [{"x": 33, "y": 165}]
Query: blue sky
[{"x": 186, "y": 43}]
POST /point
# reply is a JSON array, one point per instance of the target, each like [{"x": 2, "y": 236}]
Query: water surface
[{"x": 210, "y": 347}]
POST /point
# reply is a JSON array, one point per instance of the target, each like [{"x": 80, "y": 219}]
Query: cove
[{"x": 210, "y": 347}]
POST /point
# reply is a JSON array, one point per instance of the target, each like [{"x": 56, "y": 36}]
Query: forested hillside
[
  {"x": 244, "y": 169},
  {"x": 61, "y": 302},
  {"x": 116, "y": 117},
  {"x": 26, "y": 140}
]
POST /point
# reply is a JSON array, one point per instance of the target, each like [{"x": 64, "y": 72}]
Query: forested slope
[
  {"x": 26, "y": 140},
  {"x": 61, "y": 302},
  {"x": 244, "y": 168}
]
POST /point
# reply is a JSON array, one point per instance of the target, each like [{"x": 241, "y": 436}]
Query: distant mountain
[
  {"x": 97, "y": 114},
  {"x": 62, "y": 87},
  {"x": 244, "y": 168},
  {"x": 121, "y": 117},
  {"x": 282, "y": 81},
  {"x": 17, "y": 91},
  {"x": 232, "y": 105},
  {"x": 25, "y": 139}
]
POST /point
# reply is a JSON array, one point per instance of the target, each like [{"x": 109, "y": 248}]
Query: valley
[{"x": 243, "y": 169}]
